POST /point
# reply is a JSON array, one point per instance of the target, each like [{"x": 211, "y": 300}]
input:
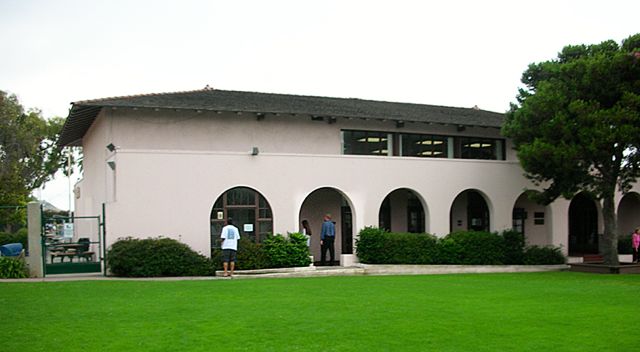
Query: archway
[
  {"x": 531, "y": 219},
  {"x": 470, "y": 211},
  {"x": 250, "y": 211},
  {"x": 402, "y": 211},
  {"x": 331, "y": 201},
  {"x": 628, "y": 213},
  {"x": 583, "y": 225}
]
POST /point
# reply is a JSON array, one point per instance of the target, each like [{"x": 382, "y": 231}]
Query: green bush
[
  {"x": 20, "y": 236},
  {"x": 291, "y": 251},
  {"x": 472, "y": 248},
  {"x": 514, "y": 244},
  {"x": 624, "y": 244},
  {"x": 276, "y": 252},
  {"x": 155, "y": 257},
  {"x": 13, "y": 268},
  {"x": 377, "y": 246},
  {"x": 543, "y": 255}
]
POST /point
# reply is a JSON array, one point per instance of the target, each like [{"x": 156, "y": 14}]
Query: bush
[
  {"x": 472, "y": 248},
  {"x": 13, "y": 268},
  {"x": 624, "y": 244},
  {"x": 546, "y": 255},
  {"x": 514, "y": 245},
  {"x": 291, "y": 251},
  {"x": 154, "y": 257},
  {"x": 377, "y": 246},
  {"x": 276, "y": 252},
  {"x": 20, "y": 236}
]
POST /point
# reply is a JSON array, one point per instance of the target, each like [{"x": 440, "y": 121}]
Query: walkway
[{"x": 313, "y": 271}]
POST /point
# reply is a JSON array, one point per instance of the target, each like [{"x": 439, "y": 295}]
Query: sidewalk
[{"x": 314, "y": 271}]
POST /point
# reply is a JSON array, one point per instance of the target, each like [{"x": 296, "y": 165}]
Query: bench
[{"x": 62, "y": 255}]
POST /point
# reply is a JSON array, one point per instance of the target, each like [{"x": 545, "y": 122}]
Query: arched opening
[
  {"x": 628, "y": 213},
  {"x": 250, "y": 211},
  {"x": 402, "y": 211},
  {"x": 583, "y": 225},
  {"x": 531, "y": 219},
  {"x": 469, "y": 211},
  {"x": 329, "y": 201}
]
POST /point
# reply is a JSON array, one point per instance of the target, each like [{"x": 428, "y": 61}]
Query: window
[
  {"x": 426, "y": 146},
  {"x": 479, "y": 148},
  {"x": 366, "y": 143}
]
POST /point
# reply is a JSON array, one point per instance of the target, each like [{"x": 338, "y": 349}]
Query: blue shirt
[{"x": 328, "y": 229}]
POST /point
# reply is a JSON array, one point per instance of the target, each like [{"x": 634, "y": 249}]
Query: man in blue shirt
[{"x": 327, "y": 239}]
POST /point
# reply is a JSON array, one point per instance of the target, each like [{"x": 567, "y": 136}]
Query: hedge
[
  {"x": 156, "y": 257},
  {"x": 20, "y": 236},
  {"x": 13, "y": 268},
  {"x": 276, "y": 251},
  {"x": 377, "y": 246}
]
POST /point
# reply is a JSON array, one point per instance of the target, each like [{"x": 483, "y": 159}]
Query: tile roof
[{"x": 83, "y": 113}]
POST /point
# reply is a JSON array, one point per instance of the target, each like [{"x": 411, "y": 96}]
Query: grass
[{"x": 492, "y": 312}]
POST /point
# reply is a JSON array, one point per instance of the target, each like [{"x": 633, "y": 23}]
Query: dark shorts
[{"x": 229, "y": 255}]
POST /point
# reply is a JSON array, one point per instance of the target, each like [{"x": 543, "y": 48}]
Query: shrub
[
  {"x": 624, "y": 244},
  {"x": 154, "y": 257},
  {"x": 13, "y": 268},
  {"x": 546, "y": 255},
  {"x": 377, "y": 246},
  {"x": 472, "y": 248},
  {"x": 20, "y": 236},
  {"x": 251, "y": 255},
  {"x": 513, "y": 247},
  {"x": 291, "y": 251}
]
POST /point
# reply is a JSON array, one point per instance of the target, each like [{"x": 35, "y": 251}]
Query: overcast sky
[{"x": 453, "y": 53}]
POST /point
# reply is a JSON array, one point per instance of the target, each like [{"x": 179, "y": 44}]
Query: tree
[
  {"x": 576, "y": 126},
  {"x": 29, "y": 153}
]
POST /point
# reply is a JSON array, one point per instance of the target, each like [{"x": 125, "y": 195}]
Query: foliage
[
  {"x": 624, "y": 244},
  {"x": 472, "y": 248},
  {"x": 154, "y": 257},
  {"x": 377, "y": 246},
  {"x": 29, "y": 153},
  {"x": 13, "y": 268},
  {"x": 284, "y": 252},
  {"x": 576, "y": 125},
  {"x": 21, "y": 236},
  {"x": 545, "y": 255},
  {"x": 514, "y": 245},
  {"x": 276, "y": 251}
]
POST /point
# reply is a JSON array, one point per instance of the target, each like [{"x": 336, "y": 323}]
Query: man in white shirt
[{"x": 230, "y": 236}]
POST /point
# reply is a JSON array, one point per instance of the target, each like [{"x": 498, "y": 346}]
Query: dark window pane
[
  {"x": 426, "y": 146},
  {"x": 366, "y": 143},
  {"x": 478, "y": 148},
  {"x": 241, "y": 196}
]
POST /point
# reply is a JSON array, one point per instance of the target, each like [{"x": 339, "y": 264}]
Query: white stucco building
[{"x": 177, "y": 164}]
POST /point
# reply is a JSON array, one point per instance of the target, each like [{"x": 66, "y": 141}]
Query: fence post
[{"x": 34, "y": 224}]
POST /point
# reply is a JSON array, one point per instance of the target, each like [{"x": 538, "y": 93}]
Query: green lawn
[{"x": 490, "y": 312}]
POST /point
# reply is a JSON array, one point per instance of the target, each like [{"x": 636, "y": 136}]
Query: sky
[{"x": 458, "y": 53}]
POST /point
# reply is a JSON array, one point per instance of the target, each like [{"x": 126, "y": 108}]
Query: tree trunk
[{"x": 609, "y": 243}]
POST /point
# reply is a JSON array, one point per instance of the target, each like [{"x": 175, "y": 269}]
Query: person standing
[
  {"x": 635, "y": 243},
  {"x": 327, "y": 240},
  {"x": 230, "y": 236}
]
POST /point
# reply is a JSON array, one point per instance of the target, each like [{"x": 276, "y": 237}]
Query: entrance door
[
  {"x": 245, "y": 220},
  {"x": 583, "y": 226},
  {"x": 347, "y": 230}
]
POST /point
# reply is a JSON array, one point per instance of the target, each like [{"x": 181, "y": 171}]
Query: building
[{"x": 177, "y": 164}]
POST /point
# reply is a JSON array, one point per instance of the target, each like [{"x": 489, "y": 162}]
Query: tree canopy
[
  {"x": 576, "y": 125},
  {"x": 29, "y": 154}
]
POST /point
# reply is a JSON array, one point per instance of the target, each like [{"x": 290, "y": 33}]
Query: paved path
[{"x": 313, "y": 271}]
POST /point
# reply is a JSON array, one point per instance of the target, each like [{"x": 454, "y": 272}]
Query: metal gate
[{"x": 72, "y": 244}]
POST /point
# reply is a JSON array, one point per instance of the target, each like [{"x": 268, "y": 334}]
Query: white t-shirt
[{"x": 231, "y": 235}]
